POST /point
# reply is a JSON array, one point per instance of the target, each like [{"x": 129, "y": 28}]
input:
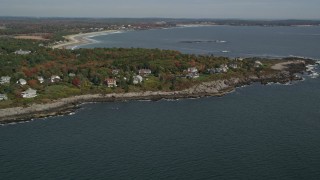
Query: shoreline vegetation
[{"x": 211, "y": 88}]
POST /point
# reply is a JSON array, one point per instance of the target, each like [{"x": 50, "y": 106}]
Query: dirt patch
[{"x": 284, "y": 65}]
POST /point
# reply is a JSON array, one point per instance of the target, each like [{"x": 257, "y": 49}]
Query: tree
[{"x": 76, "y": 82}]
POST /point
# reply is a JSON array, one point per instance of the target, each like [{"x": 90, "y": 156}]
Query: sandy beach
[{"x": 81, "y": 39}]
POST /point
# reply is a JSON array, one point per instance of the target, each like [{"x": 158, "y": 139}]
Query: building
[
  {"x": 55, "y": 78},
  {"x": 222, "y": 69},
  {"x": 192, "y": 73},
  {"x": 72, "y": 75},
  {"x": 115, "y": 71},
  {"x": 110, "y": 82},
  {"x": 29, "y": 93},
  {"x": 22, "y": 82},
  {"x": 192, "y": 70},
  {"x": 137, "y": 79},
  {"x": 233, "y": 66},
  {"x": 3, "y": 97},
  {"x": 5, "y": 80},
  {"x": 21, "y": 52},
  {"x": 40, "y": 79},
  {"x": 144, "y": 72},
  {"x": 257, "y": 64}
]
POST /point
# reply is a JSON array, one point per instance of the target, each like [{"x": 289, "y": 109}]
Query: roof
[{"x": 30, "y": 91}]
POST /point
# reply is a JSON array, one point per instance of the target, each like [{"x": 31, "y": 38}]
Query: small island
[{"x": 40, "y": 77}]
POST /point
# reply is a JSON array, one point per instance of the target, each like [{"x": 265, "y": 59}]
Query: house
[
  {"x": 22, "y": 82},
  {"x": 144, "y": 72},
  {"x": 40, "y": 79},
  {"x": 224, "y": 68},
  {"x": 137, "y": 79},
  {"x": 29, "y": 93},
  {"x": 110, "y": 82},
  {"x": 214, "y": 70},
  {"x": 233, "y": 66},
  {"x": 192, "y": 73},
  {"x": 239, "y": 59},
  {"x": 115, "y": 71},
  {"x": 55, "y": 78},
  {"x": 71, "y": 74},
  {"x": 3, "y": 97},
  {"x": 257, "y": 64},
  {"x": 21, "y": 52},
  {"x": 192, "y": 70},
  {"x": 5, "y": 79}
]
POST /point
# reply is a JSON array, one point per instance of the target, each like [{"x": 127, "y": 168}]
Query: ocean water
[
  {"x": 255, "y": 132},
  {"x": 233, "y": 41}
]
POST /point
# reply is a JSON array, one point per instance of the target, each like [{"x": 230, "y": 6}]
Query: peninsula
[{"x": 42, "y": 75}]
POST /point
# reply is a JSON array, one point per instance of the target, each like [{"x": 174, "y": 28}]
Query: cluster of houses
[
  {"x": 191, "y": 73},
  {"x": 137, "y": 79},
  {"x": 29, "y": 93}
]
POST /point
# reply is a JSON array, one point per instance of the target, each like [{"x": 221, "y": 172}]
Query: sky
[{"x": 240, "y": 9}]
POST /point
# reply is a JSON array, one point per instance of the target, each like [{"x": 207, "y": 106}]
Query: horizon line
[{"x": 186, "y": 18}]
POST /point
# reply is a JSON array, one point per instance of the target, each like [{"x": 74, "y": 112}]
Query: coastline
[
  {"x": 75, "y": 40},
  {"x": 68, "y": 105}
]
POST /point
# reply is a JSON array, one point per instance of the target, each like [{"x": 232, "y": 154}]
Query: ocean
[{"x": 256, "y": 132}]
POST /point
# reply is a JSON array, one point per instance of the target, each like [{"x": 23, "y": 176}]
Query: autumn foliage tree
[{"x": 76, "y": 82}]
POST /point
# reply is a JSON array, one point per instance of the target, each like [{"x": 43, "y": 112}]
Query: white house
[
  {"x": 224, "y": 68},
  {"x": 71, "y": 74},
  {"x": 22, "y": 82},
  {"x": 192, "y": 70},
  {"x": 257, "y": 64},
  {"x": 137, "y": 79},
  {"x": 111, "y": 82},
  {"x": 115, "y": 71},
  {"x": 192, "y": 73},
  {"x": 5, "y": 79},
  {"x": 3, "y": 97},
  {"x": 30, "y": 93},
  {"x": 233, "y": 65},
  {"x": 40, "y": 79},
  {"x": 144, "y": 72},
  {"x": 55, "y": 78},
  {"x": 21, "y": 52}
]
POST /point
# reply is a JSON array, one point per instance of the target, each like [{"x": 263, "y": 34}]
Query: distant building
[
  {"x": 239, "y": 59},
  {"x": 71, "y": 74},
  {"x": 192, "y": 70},
  {"x": 192, "y": 73},
  {"x": 55, "y": 79},
  {"x": 144, "y": 72},
  {"x": 40, "y": 79},
  {"x": 137, "y": 79},
  {"x": 30, "y": 93},
  {"x": 115, "y": 71},
  {"x": 222, "y": 69},
  {"x": 21, "y": 52},
  {"x": 3, "y": 97},
  {"x": 257, "y": 64},
  {"x": 22, "y": 82},
  {"x": 110, "y": 82},
  {"x": 233, "y": 66},
  {"x": 5, "y": 80}
]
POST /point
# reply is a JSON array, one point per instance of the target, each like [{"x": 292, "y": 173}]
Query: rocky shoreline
[{"x": 212, "y": 88}]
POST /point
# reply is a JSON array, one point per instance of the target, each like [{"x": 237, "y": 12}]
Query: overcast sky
[{"x": 244, "y": 9}]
